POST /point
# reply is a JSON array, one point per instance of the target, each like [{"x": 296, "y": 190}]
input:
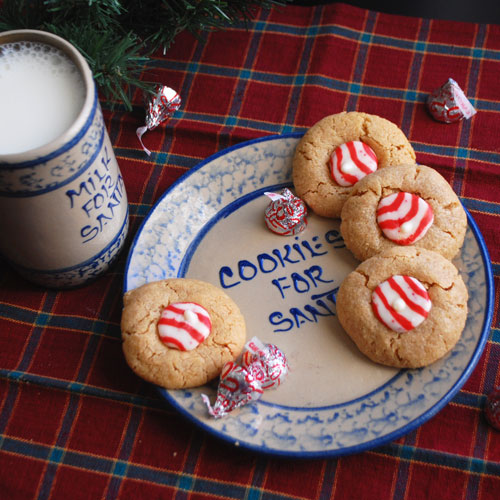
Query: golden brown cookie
[
  {"x": 434, "y": 337},
  {"x": 168, "y": 367},
  {"x": 363, "y": 235},
  {"x": 311, "y": 171}
]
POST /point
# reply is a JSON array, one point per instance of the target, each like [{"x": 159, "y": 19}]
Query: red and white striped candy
[
  {"x": 401, "y": 303},
  {"x": 404, "y": 218},
  {"x": 352, "y": 161},
  {"x": 286, "y": 214},
  {"x": 237, "y": 387},
  {"x": 184, "y": 325},
  {"x": 266, "y": 362}
]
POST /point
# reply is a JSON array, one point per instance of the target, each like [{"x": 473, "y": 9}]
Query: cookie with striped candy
[
  {"x": 339, "y": 150},
  {"x": 406, "y": 205},
  {"x": 179, "y": 332},
  {"x": 405, "y": 307}
]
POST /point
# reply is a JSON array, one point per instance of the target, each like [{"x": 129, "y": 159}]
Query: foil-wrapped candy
[
  {"x": 286, "y": 214},
  {"x": 449, "y": 104},
  {"x": 159, "y": 106},
  {"x": 237, "y": 387},
  {"x": 267, "y": 362},
  {"x": 263, "y": 367},
  {"x": 492, "y": 408}
]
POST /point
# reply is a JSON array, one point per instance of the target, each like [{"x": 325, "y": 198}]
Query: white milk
[{"x": 41, "y": 95}]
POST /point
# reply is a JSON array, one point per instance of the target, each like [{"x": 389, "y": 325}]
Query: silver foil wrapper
[
  {"x": 160, "y": 105},
  {"x": 267, "y": 362},
  {"x": 492, "y": 408},
  {"x": 286, "y": 214},
  {"x": 263, "y": 366},
  {"x": 237, "y": 387},
  {"x": 449, "y": 104}
]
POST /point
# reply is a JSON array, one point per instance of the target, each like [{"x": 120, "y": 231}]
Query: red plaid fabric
[{"x": 76, "y": 423}]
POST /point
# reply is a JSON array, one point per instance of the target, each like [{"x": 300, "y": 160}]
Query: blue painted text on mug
[{"x": 98, "y": 196}]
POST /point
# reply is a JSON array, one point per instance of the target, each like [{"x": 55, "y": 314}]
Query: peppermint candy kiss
[
  {"x": 286, "y": 214},
  {"x": 449, "y": 104},
  {"x": 401, "y": 303},
  {"x": 184, "y": 325},
  {"x": 160, "y": 106},
  {"x": 352, "y": 161},
  {"x": 492, "y": 408},
  {"x": 263, "y": 366},
  {"x": 237, "y": 387},
  {"x": 267, "y": 362},
  {"x": 404, "y": 218}
]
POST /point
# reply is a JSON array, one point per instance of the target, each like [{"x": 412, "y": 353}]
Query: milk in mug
[
  {"x": 41, "y": 94},
  {"x": 63, "y": 205}
]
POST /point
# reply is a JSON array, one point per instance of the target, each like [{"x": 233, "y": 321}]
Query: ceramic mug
[{"x": 63, "y": 205}]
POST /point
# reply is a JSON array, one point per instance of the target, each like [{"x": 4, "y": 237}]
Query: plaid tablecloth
[{"x": 76, "y": 423}]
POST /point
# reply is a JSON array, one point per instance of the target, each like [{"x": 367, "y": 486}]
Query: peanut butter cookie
[
  {"x": 404, "y": 205},
  {"x": 314, "y": 173},
  {"x": 405, "y": 307},
  {"x": 148, "y": 350}
]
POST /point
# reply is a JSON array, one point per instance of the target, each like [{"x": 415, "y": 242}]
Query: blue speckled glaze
[
  {"x": 59, "y": 168},
  {"x": 81, "y": 273},
  {"x": 198, "y": 198},
  {"x": 396, "y": 407}
]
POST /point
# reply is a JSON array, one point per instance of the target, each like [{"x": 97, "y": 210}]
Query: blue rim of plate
[{"x": 368, "y": 445}]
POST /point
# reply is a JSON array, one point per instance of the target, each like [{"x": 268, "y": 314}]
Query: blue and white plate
[{"x": 210, "y": 226}]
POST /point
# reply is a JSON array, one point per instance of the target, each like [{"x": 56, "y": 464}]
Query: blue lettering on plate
[{"x": 306, "y": 281}]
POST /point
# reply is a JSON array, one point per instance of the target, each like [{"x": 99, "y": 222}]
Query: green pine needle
[{"x": 116, "y": 37}]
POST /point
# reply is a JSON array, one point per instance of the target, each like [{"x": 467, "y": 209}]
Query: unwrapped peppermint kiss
[
  {"x": 401, "y": 303},
  {"x": 286, "y": 214},
  {"x": 352, "y": 161},
  {"x": 184, "y": 325},
  {"x": 404, "y": 218},
  {"x": 160, "y": 105},
  {"x": 449, "y": 104}
]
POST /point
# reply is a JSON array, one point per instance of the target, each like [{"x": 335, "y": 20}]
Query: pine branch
[
  {"x": 116, "y": 61},
  {"x": 116, "y": 37}
]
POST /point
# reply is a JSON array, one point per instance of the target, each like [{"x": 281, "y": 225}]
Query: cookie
[
  {"x": 439, "y": 310},
  {"x": 154, "y": 359},
  {"x": 312, "y": 173},
  {"x": 381, "y": 193}
]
